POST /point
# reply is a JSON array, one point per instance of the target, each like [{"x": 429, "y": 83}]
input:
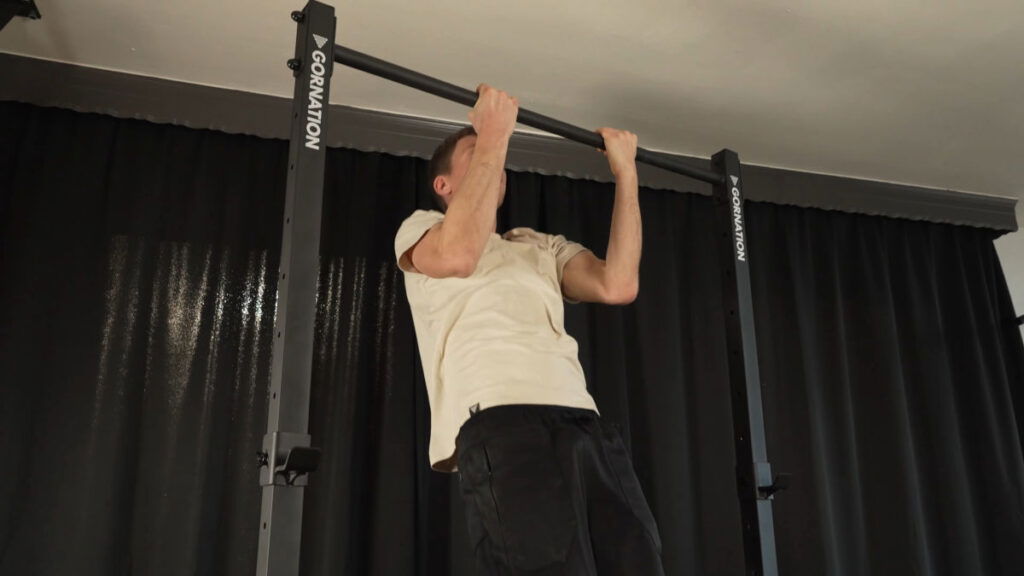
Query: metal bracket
[
  {"x": 294, "y": 459},
  {"x": 767, "y": 485}
]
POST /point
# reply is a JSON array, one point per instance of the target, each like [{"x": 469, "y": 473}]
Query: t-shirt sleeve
[
  {"x": 564, "y": 250},
  {"x": 410, "y": 232}
]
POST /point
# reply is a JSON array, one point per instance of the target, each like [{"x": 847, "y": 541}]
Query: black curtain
[{"x": 137, "y": 299}]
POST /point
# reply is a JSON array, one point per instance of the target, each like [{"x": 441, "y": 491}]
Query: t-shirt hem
[{"x": 449, "y": 464}]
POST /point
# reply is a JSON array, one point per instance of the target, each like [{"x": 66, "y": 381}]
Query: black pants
[{"x": 551, "y": 490}]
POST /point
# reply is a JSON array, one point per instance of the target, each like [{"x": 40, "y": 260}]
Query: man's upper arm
[
  {"x": 578, "y": 269},
  {"x": 582, "y": 275},
  {"x": 410, "y": 235}
]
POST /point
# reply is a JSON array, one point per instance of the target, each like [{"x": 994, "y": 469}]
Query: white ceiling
[{"x": 911, "y": 91}]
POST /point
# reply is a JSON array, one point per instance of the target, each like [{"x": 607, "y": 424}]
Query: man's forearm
[
  {"x": 622, "y": 263},
  {"x": 470, "y": 218}
]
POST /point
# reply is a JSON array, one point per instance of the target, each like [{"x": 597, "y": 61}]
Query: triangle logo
[
  {"x": 320, "y": 40},
  {"x": 734, "y": 180}
]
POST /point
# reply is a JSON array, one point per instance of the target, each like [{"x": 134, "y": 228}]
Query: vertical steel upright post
[
  {"x": 753, "y": 472},
  {"x": 287, "y": 459}
]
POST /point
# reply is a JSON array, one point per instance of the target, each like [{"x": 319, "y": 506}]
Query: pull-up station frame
[{"x": 287, "y": 457}]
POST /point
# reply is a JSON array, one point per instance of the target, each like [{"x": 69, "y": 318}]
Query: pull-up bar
[
  {"x": 413, "y": 79},
  {"x": 287, "y": 458}
]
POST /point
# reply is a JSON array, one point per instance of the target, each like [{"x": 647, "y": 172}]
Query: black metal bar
[
  {"x": 287, "y": 459},
  {"x": 11, "y": 8},
  {"x": 431, "y": 85},
  {"x": 1020, "y": 320},
  {"x": 753, "y": 472}
]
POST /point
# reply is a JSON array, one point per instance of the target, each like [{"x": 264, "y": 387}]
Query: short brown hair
[{"x": 441, "y": 161}]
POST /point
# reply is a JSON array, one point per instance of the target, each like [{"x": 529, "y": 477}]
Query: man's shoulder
[
  {"x": 421, "y": 214},
  {"x": 421, "y": 218}
]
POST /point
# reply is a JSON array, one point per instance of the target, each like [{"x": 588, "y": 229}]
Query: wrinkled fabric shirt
[{"x": 496, "y": 337}]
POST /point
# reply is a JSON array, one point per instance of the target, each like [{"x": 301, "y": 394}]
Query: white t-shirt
[{"x": 496, "y": 337}]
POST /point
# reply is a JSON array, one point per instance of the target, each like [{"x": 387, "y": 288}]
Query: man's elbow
[
  {"x": 623, "y": 294},
  {"x": 461, "y": 265}
]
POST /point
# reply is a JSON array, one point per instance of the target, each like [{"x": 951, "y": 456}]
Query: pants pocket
[
  {"x": 474, "y": 486},
  {"x": 622, "y": 466},
  {"x": 527, "y": 508}
]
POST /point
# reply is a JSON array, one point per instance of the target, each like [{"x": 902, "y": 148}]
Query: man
[{"x": 548, "y": 486}]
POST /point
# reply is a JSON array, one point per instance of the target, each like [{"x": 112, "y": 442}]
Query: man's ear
[{"x": 441, "y": 187}]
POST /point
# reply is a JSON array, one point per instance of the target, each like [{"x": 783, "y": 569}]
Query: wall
[{"x": 1011, "y": 254}]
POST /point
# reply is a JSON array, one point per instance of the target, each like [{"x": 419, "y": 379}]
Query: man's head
[{"x": 449, "y": 164}]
